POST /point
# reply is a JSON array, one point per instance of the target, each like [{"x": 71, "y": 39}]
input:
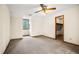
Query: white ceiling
[
  {"x": 22, "y": 6},
  {"x": 14, "y": 8}
]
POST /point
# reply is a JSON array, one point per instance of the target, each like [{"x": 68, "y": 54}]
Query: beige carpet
[{"x": 40, "y": 45}]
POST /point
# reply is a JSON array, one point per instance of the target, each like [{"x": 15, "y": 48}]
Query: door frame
[{"x": 56, "y": 27}]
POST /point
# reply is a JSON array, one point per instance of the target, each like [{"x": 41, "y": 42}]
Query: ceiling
[
  {"x": 22, "y": 6},
  {"x": 17, "y": 8}
]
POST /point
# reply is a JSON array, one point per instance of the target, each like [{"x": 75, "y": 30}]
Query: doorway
[{"x": 59, "y": 27}]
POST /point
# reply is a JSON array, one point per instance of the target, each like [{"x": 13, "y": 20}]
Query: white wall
[
  {"x": 17, "y": 23},
  {"x": 4, "y": 27},
  {"x": 26, "y": 32},
  {"x": 36, "y": 25},
  {"x": 49, "y": 26},
  {"x": 71, "y": 25},
  {"x": 71, "y": 28},
  {"x": 16, "y": 27}
]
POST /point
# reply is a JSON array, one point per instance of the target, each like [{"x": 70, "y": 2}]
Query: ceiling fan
[{"x": 44, "y": 8}]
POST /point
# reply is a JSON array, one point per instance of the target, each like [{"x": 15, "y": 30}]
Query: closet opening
[{"x": 59, "y": 27}]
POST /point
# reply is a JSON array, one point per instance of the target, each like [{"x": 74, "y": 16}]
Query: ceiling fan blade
[
  {"x": 37, "y": 11},
  {"x": 42, "y": 6},
  {"x": 51, "y": 9}
]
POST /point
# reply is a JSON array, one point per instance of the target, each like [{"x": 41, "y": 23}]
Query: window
[{"x": 25, "y": 24}]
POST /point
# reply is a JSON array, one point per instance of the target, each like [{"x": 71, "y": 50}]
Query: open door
[{"x": 59, "y": 27}]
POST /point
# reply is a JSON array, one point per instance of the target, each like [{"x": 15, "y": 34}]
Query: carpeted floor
[{"x": 40, "y": 45}]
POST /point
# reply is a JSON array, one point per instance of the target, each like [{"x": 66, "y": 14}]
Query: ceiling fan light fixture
[{"x": 45, "y": 9}]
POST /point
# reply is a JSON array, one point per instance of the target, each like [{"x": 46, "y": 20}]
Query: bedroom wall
[
  {"x": 36, "y": 25},
  {"x": 16, "y": 24},
  {"x": 4, "y": 27},
  {"x": 16, "y": 27},
  {"x": 71, "y": 29},
  {"x": 49, "y": 26}
]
